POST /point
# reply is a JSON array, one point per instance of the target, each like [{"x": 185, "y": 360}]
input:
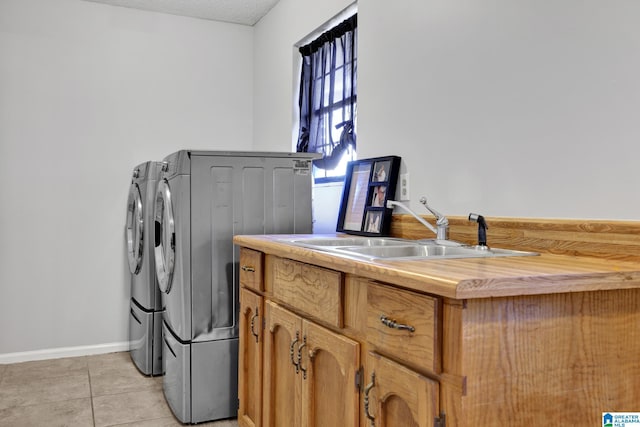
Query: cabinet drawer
[
  {"x": 404, "y": 325},
  {"x": 311, "y": 290},
  {"x": 251, "y": 266}
]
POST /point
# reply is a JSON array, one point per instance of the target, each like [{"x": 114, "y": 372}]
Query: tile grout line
[{"x": 93, "y": 414}]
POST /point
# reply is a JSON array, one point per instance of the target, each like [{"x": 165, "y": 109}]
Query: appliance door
[
  {"x": 134, "y": 229},
  {"x": 165, "y": 236},
  {"x": 173, "y": 253}
]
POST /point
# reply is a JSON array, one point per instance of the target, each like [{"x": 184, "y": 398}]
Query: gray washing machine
[
  {"x": 145, "y": 315},
  {"x": 203, "y": 199}
]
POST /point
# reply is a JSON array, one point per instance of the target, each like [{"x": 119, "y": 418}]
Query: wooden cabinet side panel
[
  {"x": 250, "y": 360},
  {"x": 452, "y": 380},
  {"x": 330, "y": 395},
  {"x": 560, "y": 357},
  {"x": 281, "y": 383}
]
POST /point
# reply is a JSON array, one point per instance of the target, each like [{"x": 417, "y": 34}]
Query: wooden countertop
[{"x": 471, "y": 277}]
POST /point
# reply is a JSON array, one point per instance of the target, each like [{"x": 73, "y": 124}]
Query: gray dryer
[{"x": 203, "y": 199}]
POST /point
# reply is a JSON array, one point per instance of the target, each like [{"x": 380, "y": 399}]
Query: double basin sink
[{"x": 387, "y": 248}]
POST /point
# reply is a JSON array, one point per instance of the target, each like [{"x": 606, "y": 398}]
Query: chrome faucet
[{"x": 442, "y": 223}]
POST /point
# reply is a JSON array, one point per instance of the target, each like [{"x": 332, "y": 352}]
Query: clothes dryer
[
  {"x": 203, "y": 199},
  {"x": 145, "y": 314}
]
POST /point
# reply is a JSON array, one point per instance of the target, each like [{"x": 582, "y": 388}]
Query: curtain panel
[{"x": 327, "y": 99}]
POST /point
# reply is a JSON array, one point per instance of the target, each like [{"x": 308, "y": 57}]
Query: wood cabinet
[
  {"x": 251, "y": 339},
  {"x": 356, "y": 344},
  {"x": 405, "y": 326},
  {"x": 397, "y": 396},
  {"x": 309, "y": 373},
  {"x": 250, "y": 360},
  {"x": 251, "y": 265}
]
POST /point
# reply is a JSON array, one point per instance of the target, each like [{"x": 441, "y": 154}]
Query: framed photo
[{"x": 368, "y": 184}]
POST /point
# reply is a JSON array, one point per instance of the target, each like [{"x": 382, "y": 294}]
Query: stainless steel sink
[
  {"x": 409, "y": 251},
  {"x": 387, "y": 248},
  {"x": 429, "y": 251},
  {"x": 347, "y": 241}
]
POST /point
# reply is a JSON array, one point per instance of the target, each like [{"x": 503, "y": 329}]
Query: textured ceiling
[{"x": 246, "y": 12}]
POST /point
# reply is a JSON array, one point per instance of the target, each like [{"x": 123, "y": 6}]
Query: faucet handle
[{"x": 440, "y": 219}]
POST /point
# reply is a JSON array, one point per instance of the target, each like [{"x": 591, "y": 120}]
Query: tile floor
[{"x": 93, "y": 391}]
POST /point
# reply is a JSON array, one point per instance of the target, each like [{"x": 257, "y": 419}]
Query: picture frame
[{"x": 368, "y": 184}]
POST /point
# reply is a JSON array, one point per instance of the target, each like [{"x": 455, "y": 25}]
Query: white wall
[
  {"x": 523, "y": 109},
  {"x": 88, "y": 91}
]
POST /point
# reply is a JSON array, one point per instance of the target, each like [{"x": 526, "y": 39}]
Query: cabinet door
[
  {"x": 281, "y": 389},
  {"x": 250, "y": 360},
  {"x": 396, "y": 396},
  {"x": 329, "y": 363}
]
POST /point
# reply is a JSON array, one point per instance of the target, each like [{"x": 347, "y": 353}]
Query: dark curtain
[{"x": 328, "y": 94}]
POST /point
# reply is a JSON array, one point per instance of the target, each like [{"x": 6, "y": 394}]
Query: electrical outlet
[{"x": 404, "y": 187}]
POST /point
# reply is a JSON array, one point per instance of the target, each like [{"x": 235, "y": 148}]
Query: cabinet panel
[
  {"x": 281, "y": 389},
  {"x": 312, "y": 290},
  {"x": 251, "y": 267},
  {"x": 398, "y": 396},
  {"x": 404, "y": 324},
  {"x": 250, "y": 360},
  {"x": 329, "y": 393}
]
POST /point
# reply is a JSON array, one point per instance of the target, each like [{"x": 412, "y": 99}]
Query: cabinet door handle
[
  {"x": 304, "y": 370},
  {"x": 367, "y": 389},
  {"x": 248, "y": 268},
  {"x": 253, "y": 320},
  {"x": 292, "y": 352},
  {"x": 391, "y": 323}
]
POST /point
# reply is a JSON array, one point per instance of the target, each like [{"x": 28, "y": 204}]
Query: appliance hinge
[
  {"x": 359, "y": 378},
  {"x": 440, "y": 421}
]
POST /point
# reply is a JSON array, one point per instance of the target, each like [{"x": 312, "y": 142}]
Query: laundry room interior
[{"x": 518, "y": 110}]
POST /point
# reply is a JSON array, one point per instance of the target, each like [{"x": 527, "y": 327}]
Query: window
[{"x": 328, "y": 99}]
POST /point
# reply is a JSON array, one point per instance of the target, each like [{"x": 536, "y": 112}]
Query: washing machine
[
  {"x": 203, "y": 199},
  {"x": 145, "y": 315}
]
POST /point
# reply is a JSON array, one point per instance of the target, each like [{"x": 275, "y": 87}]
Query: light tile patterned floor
[{"x": 93, "y": 391}]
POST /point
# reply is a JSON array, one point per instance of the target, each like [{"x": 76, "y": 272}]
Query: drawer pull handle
[
  {"x": 248, "y": 268},
  {"x": 395, "y": 325},
  {"x": 292, "y": 352},
  {"x": 367, "y": 389},
  {"x": 304, "y": 370},
  {"x": 253, "y": 321}
]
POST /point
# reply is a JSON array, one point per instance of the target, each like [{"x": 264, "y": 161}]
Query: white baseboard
[{"x": 57, "y": 353}]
